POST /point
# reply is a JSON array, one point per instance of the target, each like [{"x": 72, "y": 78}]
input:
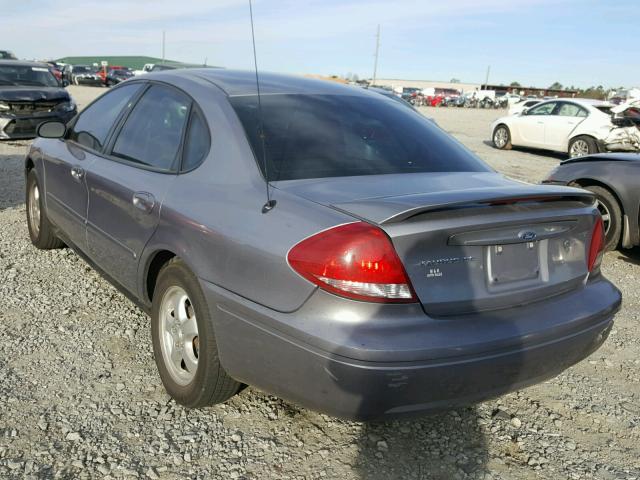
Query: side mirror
[{"x": 51, "y": 129}]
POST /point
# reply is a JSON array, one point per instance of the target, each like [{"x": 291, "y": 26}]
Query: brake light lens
[
  {"x": 357, "y": 261},
  {"x": 596, "y": 249}
]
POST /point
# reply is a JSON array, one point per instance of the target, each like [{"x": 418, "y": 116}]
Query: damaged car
[
  {"x": 613, "y": 178},
  {"x": 30, "y": 95},
  {"x": 576, "y": 127}
]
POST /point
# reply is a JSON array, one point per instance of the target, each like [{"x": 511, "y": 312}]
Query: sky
[{"x": 534, "y": 42}]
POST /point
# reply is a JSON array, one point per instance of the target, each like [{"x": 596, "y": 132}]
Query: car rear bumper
[
  {"x": 297, "y": 369},
  {"x": 14, "y": 127}
]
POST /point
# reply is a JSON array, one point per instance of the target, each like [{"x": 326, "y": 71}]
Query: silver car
[{"x": 319, "y": 242}]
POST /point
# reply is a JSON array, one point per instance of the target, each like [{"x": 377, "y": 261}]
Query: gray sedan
[
  {"x": 614, "y": 178},
  {"x": 322, "y": 243}
]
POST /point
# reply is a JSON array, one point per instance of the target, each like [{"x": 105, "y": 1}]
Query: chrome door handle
[
  {"x": 77, "y": 173},
  {"x": 144, "y": 201}
]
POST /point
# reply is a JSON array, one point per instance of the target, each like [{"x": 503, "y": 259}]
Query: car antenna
[{"x": 267, "y": 207}]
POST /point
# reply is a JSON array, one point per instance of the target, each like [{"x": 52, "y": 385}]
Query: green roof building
[{"x": 133, "y": 62}]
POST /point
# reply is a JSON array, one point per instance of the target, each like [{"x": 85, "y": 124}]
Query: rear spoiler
[{"x": 386, "y": 210}]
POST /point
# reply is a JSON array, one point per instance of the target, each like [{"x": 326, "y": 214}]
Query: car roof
[
  {"x": 22, "y": 63},
  {"x": 240, "y": 82}
]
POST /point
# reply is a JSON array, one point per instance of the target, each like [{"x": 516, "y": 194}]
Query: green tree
[
  {"x": 515, "y": 84},
  {"x": 555, "y": 86}
]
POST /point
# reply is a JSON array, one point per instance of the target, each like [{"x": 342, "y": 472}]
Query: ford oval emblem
[{"x": 527, "y": 236}]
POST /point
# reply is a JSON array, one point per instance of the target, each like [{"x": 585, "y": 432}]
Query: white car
[
  {"x": 522, "y": 105},
  {"x": 574, "y": 126}
]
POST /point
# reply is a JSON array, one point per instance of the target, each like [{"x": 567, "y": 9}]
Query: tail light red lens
[
  {"x": 357, "y": 261},
  {"x": 596, "y": 249}
]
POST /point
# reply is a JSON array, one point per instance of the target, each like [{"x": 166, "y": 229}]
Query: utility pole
[
  {"x": 375, "y": 63},
  {"x": 486, "y": 80},
  {"x": 163, "y": 46}
]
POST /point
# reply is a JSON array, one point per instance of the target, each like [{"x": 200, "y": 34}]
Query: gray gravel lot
[{"x": 80, "y": 396}]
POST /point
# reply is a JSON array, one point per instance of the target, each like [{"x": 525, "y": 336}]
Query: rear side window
[
  {"x": 571, "y": 110},
  {"x": 93, "y": 124},
  {"x": 197, "y": 142},
  {"x": 152, "y": 134},
  {"x": 315, "y": 136}
]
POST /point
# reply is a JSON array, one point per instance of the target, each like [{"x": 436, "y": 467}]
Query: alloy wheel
[
  {"x": 580, "y": 148},
  {"x": 179, "y": 335},
  {"x": 501, "y": 137}
]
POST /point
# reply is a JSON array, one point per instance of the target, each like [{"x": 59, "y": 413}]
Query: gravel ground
[{"x": 80, "y": 396}]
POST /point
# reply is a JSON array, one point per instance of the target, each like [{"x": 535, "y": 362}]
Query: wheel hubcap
[
  {"x": 500, "y": 137},
  {"x": 579, "y": 148},
  {"x": 34, "y": 209},
  {"x": 606, "y": 216},
  {"x": 179, "y": 335}
]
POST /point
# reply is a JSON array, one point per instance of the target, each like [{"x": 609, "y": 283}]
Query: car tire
[
  {"x": 187, "y": 359},
  {"x": 611, "y": 215},
  {"x": 582, "y": 145},
  {"x": 40, "y": 229},
  {"x": 502, "y": 137}
]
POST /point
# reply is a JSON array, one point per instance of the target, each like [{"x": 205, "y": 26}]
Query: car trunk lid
[{"x": 487, "y": 244}]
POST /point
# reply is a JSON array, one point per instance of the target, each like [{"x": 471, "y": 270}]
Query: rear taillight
[
  {"x": 356, "y": 260},
  {"x": 596, "y": 249}
]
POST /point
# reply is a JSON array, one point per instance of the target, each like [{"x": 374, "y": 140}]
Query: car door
[
  {"x": 127, "y": 184},
  {"x": 562, "y": 123},
  {"x": 67, "y": 161},
  {"x": 531, "y": 124}
]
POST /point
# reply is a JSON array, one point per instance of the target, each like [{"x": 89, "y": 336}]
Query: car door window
[
  {"x": 197, "y": 142},
  {"x": 571, "y": 110},
  {"x": 152, "y": 134},
  {"x": 95, "y": 122},
  {"x": 544, "y": 109}
]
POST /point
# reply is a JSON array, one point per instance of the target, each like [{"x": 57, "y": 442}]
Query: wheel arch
[
  {"x": 28, "y": 164},
  {"x": 156, "y": 261},
  {"x": 592, "y": 137},
  {"x": 592, "y": 182}
]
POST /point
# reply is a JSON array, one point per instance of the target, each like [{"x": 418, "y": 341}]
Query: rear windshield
[{"x": 316, "y": 136}]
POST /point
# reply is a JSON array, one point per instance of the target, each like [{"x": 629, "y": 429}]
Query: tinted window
[
  {"x": 544, "y": 109},
  {"x": 313, "y": 136},
  {"x": 197, "y": 142},
  {"x": 152, "y": 134},
  {"x": 94, "y": 123},
  {"x": 571, "y": 110}
]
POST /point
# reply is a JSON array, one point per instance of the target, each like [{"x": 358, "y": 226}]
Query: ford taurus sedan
[{"x": 320, "y": 242}]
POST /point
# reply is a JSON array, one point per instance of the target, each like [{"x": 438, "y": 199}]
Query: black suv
[{"x": 30, "y": 95}]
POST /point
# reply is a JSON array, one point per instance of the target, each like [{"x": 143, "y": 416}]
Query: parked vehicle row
[
  {"x": 357, "y": 282},
  {"x": 96, "y": 76}
]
